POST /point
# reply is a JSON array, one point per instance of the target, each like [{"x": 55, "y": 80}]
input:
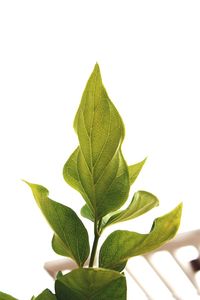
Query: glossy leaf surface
[
  {"x": 91, "y": 284},
  {"x": 121, "y": 245},
  {"x": 97, "y": 168},
  {"x": 141, "y": 203},
  {"x": 65, "y": 223}
]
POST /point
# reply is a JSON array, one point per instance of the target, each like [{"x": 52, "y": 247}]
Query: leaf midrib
[{"x": 91, "y": 170}]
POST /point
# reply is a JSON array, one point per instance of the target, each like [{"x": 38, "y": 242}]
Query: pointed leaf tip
[
  {"x": 134, "y": 170},
  {"x": 45, "y": 295},
  {"x": 96, "y": 67},
  {"x": 96, "y": 72},
  {"x": 37, "y": 190}
]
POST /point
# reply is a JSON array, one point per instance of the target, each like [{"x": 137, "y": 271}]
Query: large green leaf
[
  {"x": 4, "y": 296},
  {"x": 97, "y": 168},
  {"x": 91, "y": 284},
  {"x": 45, "y": 295},
  {"x": 134, "y": 170},
  {"x": 141, "y": 203},
  {"x": 121, "y": 245},
  {"x": 65, "y": 223}
]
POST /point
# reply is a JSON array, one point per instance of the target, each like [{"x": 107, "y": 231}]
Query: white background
[{"x": 149, "y": 55}]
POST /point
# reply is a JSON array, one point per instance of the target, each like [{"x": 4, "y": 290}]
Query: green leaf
[
  {"x": 121, "y": 245},
  {"x": 68, "y": 228},
  {"x": 91, "y": 284},
  {"x": 71, "y": 175},
  {"x": 86, "y": 213},
  {"x": 59, "y": 274},
  {"x": 97, "y": 168},
  {"x": 60, "y": 247},
  {"x": 141, "y": 203},
  {"x": 134, "y": 170},
  {"x": 4, "y": 296},
  {"x": 46, "y": 295}
]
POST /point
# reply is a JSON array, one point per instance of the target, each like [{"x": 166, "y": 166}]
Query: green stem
[
  {"x": 99, "y": 226},
  {"x": 95, "y": 243},
  {"x": 94, "y": 249}
]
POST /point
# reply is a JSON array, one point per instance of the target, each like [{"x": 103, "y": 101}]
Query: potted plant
[{"x": 98, "y": 171}]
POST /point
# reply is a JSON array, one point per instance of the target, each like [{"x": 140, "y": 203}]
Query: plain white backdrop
[{"x": 149, "y": 55}]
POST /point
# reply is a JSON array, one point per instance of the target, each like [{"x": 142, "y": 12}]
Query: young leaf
[
  {"x": 141, "y": 203},
  {"x": 46, "y": 295},
  {"x": 97, "y": 168},
  {"x": 59, "y": 274},
  {"x": 121, "y": 245},
  {"x": 93, "y": 284},
  {"x": 134, "y": 170},
  {"x": 68, "y": 228},
  {"x": 86, "y": 213},
  {"x": 4, "y": 296}
]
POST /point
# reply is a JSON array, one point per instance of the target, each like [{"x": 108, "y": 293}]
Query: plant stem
[
  {"x": 94, "y": 249},
  {"x": 95, "y": 243}
]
